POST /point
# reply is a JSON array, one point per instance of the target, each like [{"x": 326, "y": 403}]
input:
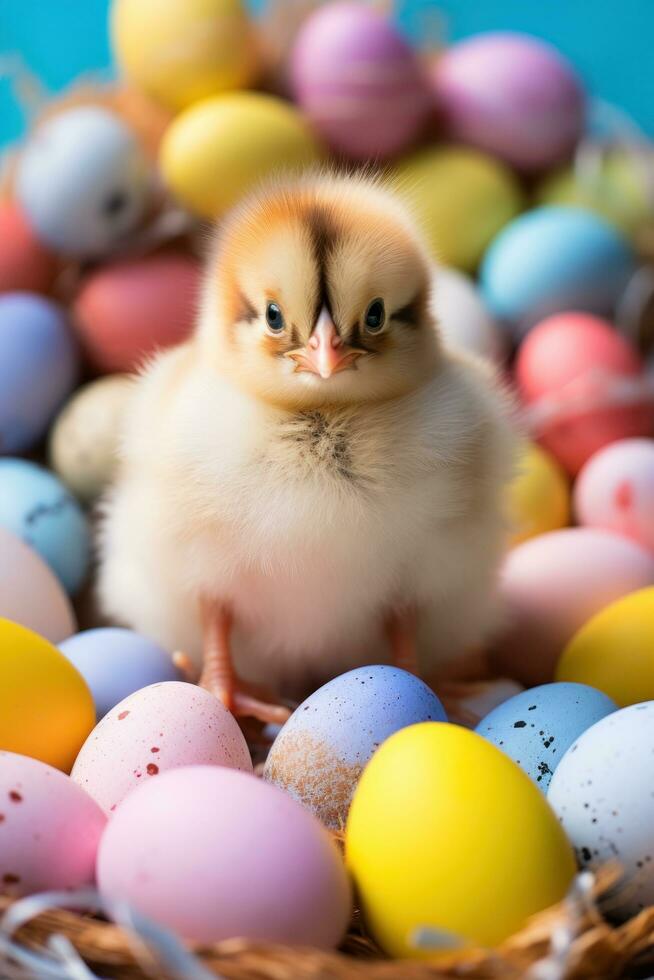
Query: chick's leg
[
  {"x": 401, "y": 629},
  {"x": 218, "y": 674}
]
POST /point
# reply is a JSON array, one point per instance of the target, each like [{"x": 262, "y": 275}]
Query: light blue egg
[
  {"x": 39, "y": 509},
  {"x": 322, "y": 749},
  {"x": 536, "y": 727},
  {"x": 117, "y": 662},
  {"x": 38, "y": 368},
  {"x": 551, "y": 260},
  {"x": 83, "y": 181}
]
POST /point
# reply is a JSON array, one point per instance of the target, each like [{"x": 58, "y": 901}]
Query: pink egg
[
  {"x": 615, "y": 490},
  {"x": 552, "y": 585},
  {"x": 358, "y": 81},
  {"x": 30, "y": 593},
  {"x": 571, "y": 371},
  {"x": 214, "y": 854},
  {"x": 511, "y": 95},
  {"x": 49, "y": 828},
  {"x": 127, "y": 310},
  {"x": 25, "y": 264},
  {"x": 163, "y": 726}
]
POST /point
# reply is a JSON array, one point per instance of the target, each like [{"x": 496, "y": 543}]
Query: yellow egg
[
  {"x": 220, "y": 148},
  {"x": 461, "y": 197},
  {"x": 46, "y": 709},
  {"x": 539, "y": 496},
  {"x": 179, "y": 51},
  {"x": 613, "y": 650},
  {"x": 446, "y": 832}
]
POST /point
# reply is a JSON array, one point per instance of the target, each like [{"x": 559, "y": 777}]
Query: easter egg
[
  {"x": 25, "y": 264},
  {"x": 128, "y": 309},
  {"x": 117, "y": 662},
  {"x": 320, "y": 753},
  {"x": 511, "y": 95},
  {"x": 222, "y": 147},
  {"x": 50, "y": 829},
  {"x": 461, "y": 199},
  {"x": 85, "y": 438},
  {"x": 30, "y": 592},
  {"x": 462, "y": 319},
  {"x": 536, "y": 727},
  {"x": 36, "y": 507},
  {"x": 253, "y": 864},
  {"x": 553, "y": 259},
  {"x": 551, "y": 585},
  {"x": 441, "y": 815},
  {"x": 615, "y": 490},
  {"x": 569, "y": 372},
  {"x": 183, "y": 50},
  {"x": 83, "y": 181},
  {"x": 160, "y": 727},
  {"x": 603, "y": 793},
  {"x": 538, "y": 496},
  {"x": 358, "y": 81},
  {"x": 613, "y": 650},
  {"x": 38, "y": 367},
  {"x": 46, "y": 709}
]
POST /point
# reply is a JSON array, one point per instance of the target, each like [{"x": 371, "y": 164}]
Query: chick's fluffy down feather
[{"x": 311, "y": 524}]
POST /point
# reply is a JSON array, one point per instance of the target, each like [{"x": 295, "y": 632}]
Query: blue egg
[
  {"x": 36, "y": 507},
  {"x": 551, "y": 260},
  {"x": 83, "y": 181},
  {"x": 117, "y": 662},
  {"x": 39, "y": 366},
  {"x": 536, "y": 727},
  {"x": 322, "y": 749}
]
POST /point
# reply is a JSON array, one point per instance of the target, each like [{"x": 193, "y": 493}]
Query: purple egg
[
  {"x": 358, "y": 81},
  {"x": 511, "y": 95},
  {"x": 38, "y": 368}
]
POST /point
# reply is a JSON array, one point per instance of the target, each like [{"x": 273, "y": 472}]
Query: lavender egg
[{"x": 322, "y": 749}]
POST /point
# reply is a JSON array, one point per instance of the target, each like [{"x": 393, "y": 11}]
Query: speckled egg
[
  {"x": 463, "y": 321},
  {"x": 322, "y": 749},
  {"x": 30, "y": 592},
  {"x": 25, "y": 263},
  {"x": 552, "y": 259},
  {"x": 86, "y": 434},
  {"x": 83, "y": 181},
  {"x": 603, "y": 794},
  {"x": 35, "y": 506},
  {"x": 39, "y": 364},
  {"x": 50, "y": 829},
  {"x": 163, "y": 726},
  {"x": 536, "y": 727},
  {"x": 615, "y": 490},
  {"x": 538, "y": 498},
  {"x": 216, "y": 854},
  {"x": 552, "y": 585}
]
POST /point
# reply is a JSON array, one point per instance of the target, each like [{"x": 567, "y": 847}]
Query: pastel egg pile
[{"x": 114, "y": 770}]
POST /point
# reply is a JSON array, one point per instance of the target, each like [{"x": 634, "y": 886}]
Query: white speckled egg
[
  {"x": 463, "y": 320},
  {"x": 603, "y": 794},
  {"x": 163, "y": 726}
]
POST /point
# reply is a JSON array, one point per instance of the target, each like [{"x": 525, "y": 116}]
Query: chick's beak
[{"x": 325, "y": 353}]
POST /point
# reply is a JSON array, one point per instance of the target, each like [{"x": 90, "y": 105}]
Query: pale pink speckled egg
[
  {"x": 214, "y": 854},
  {"x": 163, "y": 726},
  {"x": 49, "y": 828}
]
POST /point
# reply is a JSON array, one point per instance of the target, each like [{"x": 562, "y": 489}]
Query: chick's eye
[
  {"x": 375, "y": 316},
  {"x": 274, "y": 317}
]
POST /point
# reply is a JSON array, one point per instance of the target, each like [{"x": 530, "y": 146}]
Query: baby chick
[{"x": 312, "y": 482}]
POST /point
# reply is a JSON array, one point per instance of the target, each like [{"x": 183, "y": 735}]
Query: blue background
[{"x": 609, "y": 41}]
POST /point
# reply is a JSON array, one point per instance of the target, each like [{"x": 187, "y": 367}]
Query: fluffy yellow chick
[{"x": 311, "y": 483}]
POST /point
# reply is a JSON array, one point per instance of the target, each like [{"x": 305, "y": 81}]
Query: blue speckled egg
[
  {"x": 536, "y": 727},
  {"x": 322, "y": 749},
  {"x": 117, "y": 662},
  {"x": 551, "y": 260},
  {"x": 38, "y": 368},
  {"x": 36, "y": 507},
  {"x": 83, "y": 181}
]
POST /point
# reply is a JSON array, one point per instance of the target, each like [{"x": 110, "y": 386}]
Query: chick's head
[{"x": 318, "y": 293}]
